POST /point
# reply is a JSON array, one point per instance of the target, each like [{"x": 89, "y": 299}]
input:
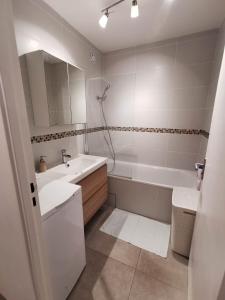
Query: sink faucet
[{"x": 65, "y": 156}]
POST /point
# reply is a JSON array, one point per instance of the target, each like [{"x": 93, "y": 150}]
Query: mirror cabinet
[{"x": 57, "y": 90}]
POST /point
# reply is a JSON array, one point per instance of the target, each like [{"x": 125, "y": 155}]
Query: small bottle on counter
[{"x": 42, "y": 164}]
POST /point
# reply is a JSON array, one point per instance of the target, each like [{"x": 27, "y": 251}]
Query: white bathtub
[{"x": 146, "y": 190}]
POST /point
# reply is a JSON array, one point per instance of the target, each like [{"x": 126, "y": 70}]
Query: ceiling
[{"x": 158, "y": 20}]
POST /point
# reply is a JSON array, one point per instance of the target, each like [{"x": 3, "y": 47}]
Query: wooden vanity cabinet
[{"x": 94, "y": 192}]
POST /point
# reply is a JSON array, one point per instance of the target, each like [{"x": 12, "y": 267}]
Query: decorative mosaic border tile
[
  {"x": 156, "y": 130},
  {"x": 61, "y": 135},
  {"x": 204, "y": 133},
  {"x": 64, "y": 134}
]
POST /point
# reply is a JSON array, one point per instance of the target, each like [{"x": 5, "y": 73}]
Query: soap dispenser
[{"x": 42, "y": 164}]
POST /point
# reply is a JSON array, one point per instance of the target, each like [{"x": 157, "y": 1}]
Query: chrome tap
[
  {"x": 200, "y": 167},
  {"x": 65, "y": 156}
]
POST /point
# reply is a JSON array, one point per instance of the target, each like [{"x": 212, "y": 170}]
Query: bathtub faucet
[{"x": 200, "y": 168}]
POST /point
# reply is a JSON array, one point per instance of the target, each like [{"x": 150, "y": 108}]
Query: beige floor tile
[
  {"x": 115, "y": 248},
  {"x": 97, "y": 221},
  {"x": 172, "y": 271},
  {"x": 145, "y": 287},
  {"x": 103, "y": 279}
]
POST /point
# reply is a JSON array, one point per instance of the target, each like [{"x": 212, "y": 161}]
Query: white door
[
  {"x": 207, "y": 261},
  {"x": 15, "y": 273},
  {"x": 23, "y": 273}
]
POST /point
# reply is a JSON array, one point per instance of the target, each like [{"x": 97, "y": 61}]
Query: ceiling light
[
  {"x": 104, "y": 19},
  {"x": 134, "y": 9}
]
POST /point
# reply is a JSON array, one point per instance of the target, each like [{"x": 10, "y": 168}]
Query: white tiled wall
[
  {"x": 161, "y": 85},
  {"x": 38, "y": 27}
]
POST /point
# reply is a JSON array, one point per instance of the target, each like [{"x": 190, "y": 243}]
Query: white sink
[
  {"x": 76, "y": 169},
  {"x": 63, "y": 169},
  {"x": 76, "y": 165}
]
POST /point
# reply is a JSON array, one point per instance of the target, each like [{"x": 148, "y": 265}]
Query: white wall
[
  {"x": 162, "y": 85},
  {"x": 12, "y": 263},
  {"x": 38, "y": 27},
  {"x": 209, "y": 105},
  {"x": 15, "y": 273},
  {"x": 207, "y": 260}
]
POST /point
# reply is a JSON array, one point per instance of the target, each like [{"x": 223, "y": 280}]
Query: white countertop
[
  {"x": 54, "y": 194},
  {"x": 186, "y": 198},
  {"x": 79, "y": 168}
]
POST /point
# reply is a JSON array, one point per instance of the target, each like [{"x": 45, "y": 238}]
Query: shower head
[{"x": 103, "y": 97}]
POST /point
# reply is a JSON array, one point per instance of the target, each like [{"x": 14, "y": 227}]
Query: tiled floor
[{"x": 117, "y": 270}]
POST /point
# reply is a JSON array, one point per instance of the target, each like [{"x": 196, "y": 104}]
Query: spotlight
[
  {"x": 134, "y": 9},
  {"x": 104, "y": 19}
]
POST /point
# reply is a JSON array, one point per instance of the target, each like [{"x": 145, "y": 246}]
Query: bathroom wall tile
[
  {"x": 97, "y": 144},
  {"x": 151, "y": 118},
  {"x": 162, "y": 77},
  {"x": 184, "y": 143},
  {"x": 94, "y": 88},
  {"x": 181, "y": 160},
  {"x": 202, "y": 149},
  {"x": 124, "y": 147},
  {"x": 122, "y": 139},
  {"x": 152, "y": 99},
  {"x": 154, "y": 58},
  {"x": 192, "y": 75},
  {"x": 196, "y": 50},
  {"x": 189, "y": 98},
  {"x": 119, "y": 105},
  {"x": 211, "y": 94},
  {"x": 192, "y": 119},
  {"x": 116, "y": 64},
  {"x": 151, "y": 157},
  {"x": 149, "y": 148},
  {"x": 155, "y": 141},
  {"x": 207, "y": 119}
]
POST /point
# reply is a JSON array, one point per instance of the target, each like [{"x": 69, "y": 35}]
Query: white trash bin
[{"x": 184, "y": 208}]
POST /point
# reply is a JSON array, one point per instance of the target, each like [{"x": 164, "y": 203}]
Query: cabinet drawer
[
  {"x": 93, "y": 183},
  {"x": 94, "y": 203}
]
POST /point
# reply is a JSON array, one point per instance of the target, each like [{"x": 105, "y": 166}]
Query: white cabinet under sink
[{"x": 90, "y": 172}]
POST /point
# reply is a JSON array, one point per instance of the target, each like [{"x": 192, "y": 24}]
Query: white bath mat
[{"x": 142, "y": 232}]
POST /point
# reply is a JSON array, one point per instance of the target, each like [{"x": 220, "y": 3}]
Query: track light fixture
[{"x": 104, "y": 18}]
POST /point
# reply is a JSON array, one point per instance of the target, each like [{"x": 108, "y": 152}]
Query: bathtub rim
[
  {"x": 141, "y": 181},
  {"x": 122, "y": 177}
]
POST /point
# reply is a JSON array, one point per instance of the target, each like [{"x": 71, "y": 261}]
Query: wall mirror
[{"x": 57, "y": 90}]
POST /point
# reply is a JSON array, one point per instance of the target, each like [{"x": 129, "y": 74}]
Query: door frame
[{"x": 18, "y": 138}]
